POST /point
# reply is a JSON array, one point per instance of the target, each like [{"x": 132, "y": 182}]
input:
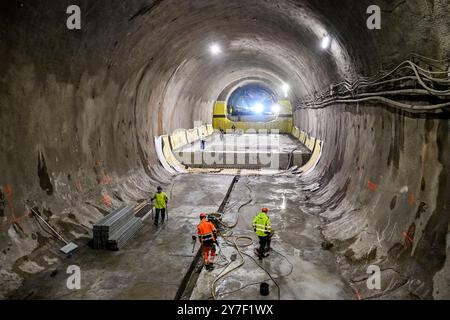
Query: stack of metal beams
[{"x": 114, "y": 230}]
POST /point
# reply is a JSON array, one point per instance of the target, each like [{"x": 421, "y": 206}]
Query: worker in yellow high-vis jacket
[
  {"x": 262, "y": 228},
  {"x": 161, "y": 200}
]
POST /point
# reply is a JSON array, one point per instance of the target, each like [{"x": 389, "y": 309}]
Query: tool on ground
[
  {"x": 69, "y": 248},
  {"x": 264, "y": 289},
  {"x": 153, "y": 212},
  {"x": 194, "y": 240}
]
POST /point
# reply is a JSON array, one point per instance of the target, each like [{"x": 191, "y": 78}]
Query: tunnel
[{"x": 90, "y": 113}]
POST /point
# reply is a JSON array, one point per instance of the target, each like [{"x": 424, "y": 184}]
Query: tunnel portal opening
[{"x": 253, "y": 103}]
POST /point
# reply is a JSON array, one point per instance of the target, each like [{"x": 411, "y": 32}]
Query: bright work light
[
  {"x": 276, "y": 108},
  {"x": 326, "y": 41},
  {"x": 215, "y": 49},
  {"x": 258, "y": 108}
]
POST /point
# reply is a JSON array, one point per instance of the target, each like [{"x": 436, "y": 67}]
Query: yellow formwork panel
[
  {"x": 302, "y": 137},
  {"x": 210, "y": 129},
  {"x": 178, "y": 139},
  {"x": 192, "y": 135},
  {"x": 310, "y": 143},
  {"x": 283, "y": 123},
  {"x": 203, "y": 131},
  {"x": 315, "y": 157},
  {"x": 170, "y": 158},
  {"x": 219, "y": 115},
  {"x": 182, "y": 137},
  {"x": 285, "y": 107},
  {"x": 296, "y": 132},
  {"x": 313, "y": 144},
  {"x": 195, "y": 134}
]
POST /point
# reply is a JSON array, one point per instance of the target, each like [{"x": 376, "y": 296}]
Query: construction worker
[
  {"x": 261, "y": 226},
  {"x": 160, "y": 205},
  {"x": 202, "y": 144},
  {"x": 207, "y": 234}
]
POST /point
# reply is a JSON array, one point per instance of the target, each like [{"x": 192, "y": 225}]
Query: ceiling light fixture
[
  {"x": 215, "y": 49},
  {"x": 285, "y": 87},
  {"x": 326, "y": 41}
]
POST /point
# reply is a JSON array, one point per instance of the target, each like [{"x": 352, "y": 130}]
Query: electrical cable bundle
[{"x": 416, "y": 80}]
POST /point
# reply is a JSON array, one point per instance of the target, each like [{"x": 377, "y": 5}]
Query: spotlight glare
[
  {"x": 258, "y": 108},
  {"x": 285, "y": 87},
  {"x": 326, "y": 41},
  {"x": 215, "y": 49},
  {"x": 276, "y": 108}
]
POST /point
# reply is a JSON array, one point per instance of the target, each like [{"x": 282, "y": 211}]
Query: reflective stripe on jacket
[
  {"x": 261, "y": 225},
  {"x": 206, "y": 231}
]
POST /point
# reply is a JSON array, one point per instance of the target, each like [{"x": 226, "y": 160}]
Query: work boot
[
  {"x": 259, "y": 254},
  {"x": 155, "y": 223}
]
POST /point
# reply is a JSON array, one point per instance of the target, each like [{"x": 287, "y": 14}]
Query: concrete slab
[{"x": 275, "y": 151}]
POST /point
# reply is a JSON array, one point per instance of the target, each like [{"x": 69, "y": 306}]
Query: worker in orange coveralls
[{"x": 207, "y": 235}]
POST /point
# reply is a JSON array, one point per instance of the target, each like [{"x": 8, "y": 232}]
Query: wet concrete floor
[
  {"x": 154, "y": 263},
  {"x": 298, "y": 264},
  {"x": 151, "y": 266}
]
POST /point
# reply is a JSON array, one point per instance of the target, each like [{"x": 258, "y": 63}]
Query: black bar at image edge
[{"x": 229, "y": 309}]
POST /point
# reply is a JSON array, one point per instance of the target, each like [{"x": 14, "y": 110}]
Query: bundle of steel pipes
[{"x": 114, "y": 230}]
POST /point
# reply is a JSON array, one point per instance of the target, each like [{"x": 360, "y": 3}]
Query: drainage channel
[{"x": 190, "y": 278}]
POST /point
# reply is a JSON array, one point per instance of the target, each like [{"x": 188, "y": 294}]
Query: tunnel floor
[
  {"x": 299, "y": 265},
  {"x": 153, "y": 264}
]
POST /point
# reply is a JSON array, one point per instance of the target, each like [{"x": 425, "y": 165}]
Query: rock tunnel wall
[
  {"x": 79, "y": 109},
  {"x": 385, "y": 178},
  {"x": 385, "y": 172}
]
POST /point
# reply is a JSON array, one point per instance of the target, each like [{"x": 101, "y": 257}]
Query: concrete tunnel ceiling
[
  {"x": 265, "y": 43},
  {"x": 80, "y": 105}
]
